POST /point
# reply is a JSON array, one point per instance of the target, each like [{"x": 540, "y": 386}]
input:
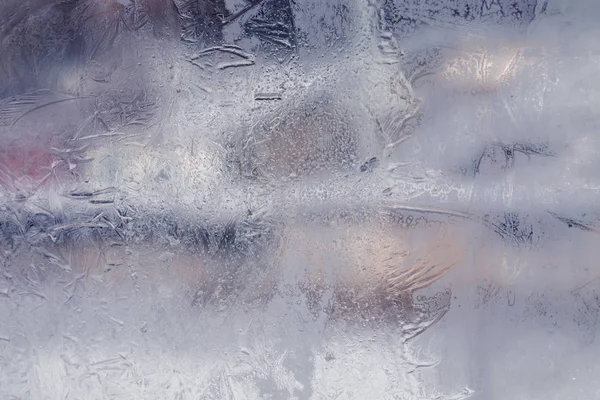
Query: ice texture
[{"x": 299, "y": 199}]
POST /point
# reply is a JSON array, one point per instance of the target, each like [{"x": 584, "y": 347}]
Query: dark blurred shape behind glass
[{"x": 308, "y": 199}]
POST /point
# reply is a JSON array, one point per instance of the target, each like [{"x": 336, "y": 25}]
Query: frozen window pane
[{"x": 307, "y": 199}]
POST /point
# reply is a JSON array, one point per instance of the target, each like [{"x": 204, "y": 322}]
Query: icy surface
[{"x": 299, "y": 199}]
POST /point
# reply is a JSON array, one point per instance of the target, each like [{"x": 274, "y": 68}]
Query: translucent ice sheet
[{"x": 299, "y": 199}]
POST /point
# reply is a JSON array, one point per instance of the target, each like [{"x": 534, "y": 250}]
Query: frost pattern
[{"x": 299, "y": 199}]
